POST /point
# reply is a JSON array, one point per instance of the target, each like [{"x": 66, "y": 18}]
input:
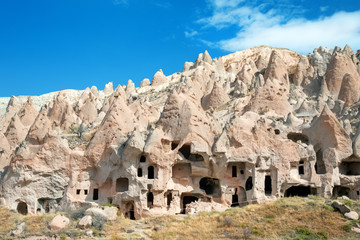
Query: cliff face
[{"x": 254, "y": 125}]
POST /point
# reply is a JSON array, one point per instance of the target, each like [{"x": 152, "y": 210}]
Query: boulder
[
  {"x": 18, "y": 230},
  {"x": 107, "y": 213},
  {"x": 85, "y": 222},
  {"x": 341, "y": 207},
  {"x": 59, "y": 222},
  {"x": 352, "y": 215}
]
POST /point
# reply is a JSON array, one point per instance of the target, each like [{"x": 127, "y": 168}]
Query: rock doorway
[
  {"x": 320, "y": 165},
  {"x": 96, "y": 194},
  {"x": 187, "y": 200},
  {"x": 268, "y": 185},
  {"x": 22, "y": 208},
  {"x": 350, "y": 168},
  {"x": 248, "y": 184},
  {"x": 130, "y": 212},
  {"x": 150, "y": 200},
  {"x": 235, "y": 199}
]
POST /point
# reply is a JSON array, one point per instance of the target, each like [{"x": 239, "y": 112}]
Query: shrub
[
  {"x": 99, "y": 222},
  {"x": 227, "y": 221}
]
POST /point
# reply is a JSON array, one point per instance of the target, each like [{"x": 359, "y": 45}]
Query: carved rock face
[{"x": 247, "y": 127}]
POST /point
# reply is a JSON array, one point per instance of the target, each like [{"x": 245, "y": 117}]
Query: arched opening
[
  {"x": 150, "y": 200},
  {"x": 301, "y": 191},
  {"x": 187, "y": 200},
  {"x": 22, "y": 208},
  {"x": 248, "y": 184},
  {"x": 139, "y": 172},
  {"x": 268, "y": 185},
  {"x": 211, "y": 186},
  {"x": 320, "y": 165},
  {"x": 298, "y": 137},
  {"x": 277, "y": 131},
  {"x": 122, "y": 185},
  {"x": 130, "y": 212},
  {"x": 151, "y": 172}
]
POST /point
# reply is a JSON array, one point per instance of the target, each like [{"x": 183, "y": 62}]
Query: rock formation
[{"x": 248, "y": 127}]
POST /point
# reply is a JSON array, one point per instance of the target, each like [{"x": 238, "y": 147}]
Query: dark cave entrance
[
  {"x": 22, "y": 208},
  {"x": 301, "y": 191}
]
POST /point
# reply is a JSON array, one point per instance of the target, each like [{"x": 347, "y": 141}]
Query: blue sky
[{"x": 48, "y": 45}]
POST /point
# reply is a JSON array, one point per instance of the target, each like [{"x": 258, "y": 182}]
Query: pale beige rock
[
  {"x": 85, "y": 222},
  {"x": 352, "y": 215},
  {"x": 159, "y": 78},
  {"x": 59, "y": 222},
  {"x": 215, "y": 135}
]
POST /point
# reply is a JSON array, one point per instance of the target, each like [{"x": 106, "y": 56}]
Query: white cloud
[
  {"x": 190, "y": 34},
  {"x": 278, "y": 28}
]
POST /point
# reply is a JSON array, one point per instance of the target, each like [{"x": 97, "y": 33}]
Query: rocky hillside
[{"x": 248, "y": 127}]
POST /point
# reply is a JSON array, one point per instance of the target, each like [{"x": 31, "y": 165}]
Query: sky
[{"x": 48, "y": 45}]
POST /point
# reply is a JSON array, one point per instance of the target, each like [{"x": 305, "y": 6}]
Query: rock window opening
[
  {"x": 339, "y": 191},
  {"x": 110, "y": 200},
  {"x": 358, "y": 193},
  {"x": 301, "y": 167},
  {"x": 139, "y": 172},
  {"x": 241, "y": 171},
  {"x": 169, "y": 199},
  {"x": 268, "y": 187},
  {"x": 187, "y": 200},
  {"x": 234, "y": 171},
  {"x": 150, "y": 200},
  {"x": 248, "y": 184},
  {"x": 298, "y": 137},
  {"x": 350, "y": 168},
  {"x": 211, "y": 186},
  {"x": 151, "y": 172},
  {"x": 22, "y": 208},
  {"x": 77, "y": 191},
  {"x": 86, "y": 192},
  {"x": 277, "y": 131},
  {"x": 320, "y": 165},
  {"x": 174, "y": 145},
  {"x": 235, "y": 199},
  {"x": 96, "y": 194},
  {"x": 301, "y": 191},
  {"x": 142, "y": 159},
  {"x": 122, "y": 184},
  {"x": 185, "y": 151}
]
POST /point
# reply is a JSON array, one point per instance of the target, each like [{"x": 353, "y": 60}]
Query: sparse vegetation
[{"x": 285, "y": 218}]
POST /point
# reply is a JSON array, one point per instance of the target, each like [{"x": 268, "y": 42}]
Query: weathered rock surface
[
  {"x": 59, "y": 222},
  {"x": 248, "y": 127},
  {"x": 85, "y": 222}
]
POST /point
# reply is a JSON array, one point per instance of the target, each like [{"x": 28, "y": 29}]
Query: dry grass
[
  {"x": 283, "y": 219},
  {"x": 286, "y": 218}
]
